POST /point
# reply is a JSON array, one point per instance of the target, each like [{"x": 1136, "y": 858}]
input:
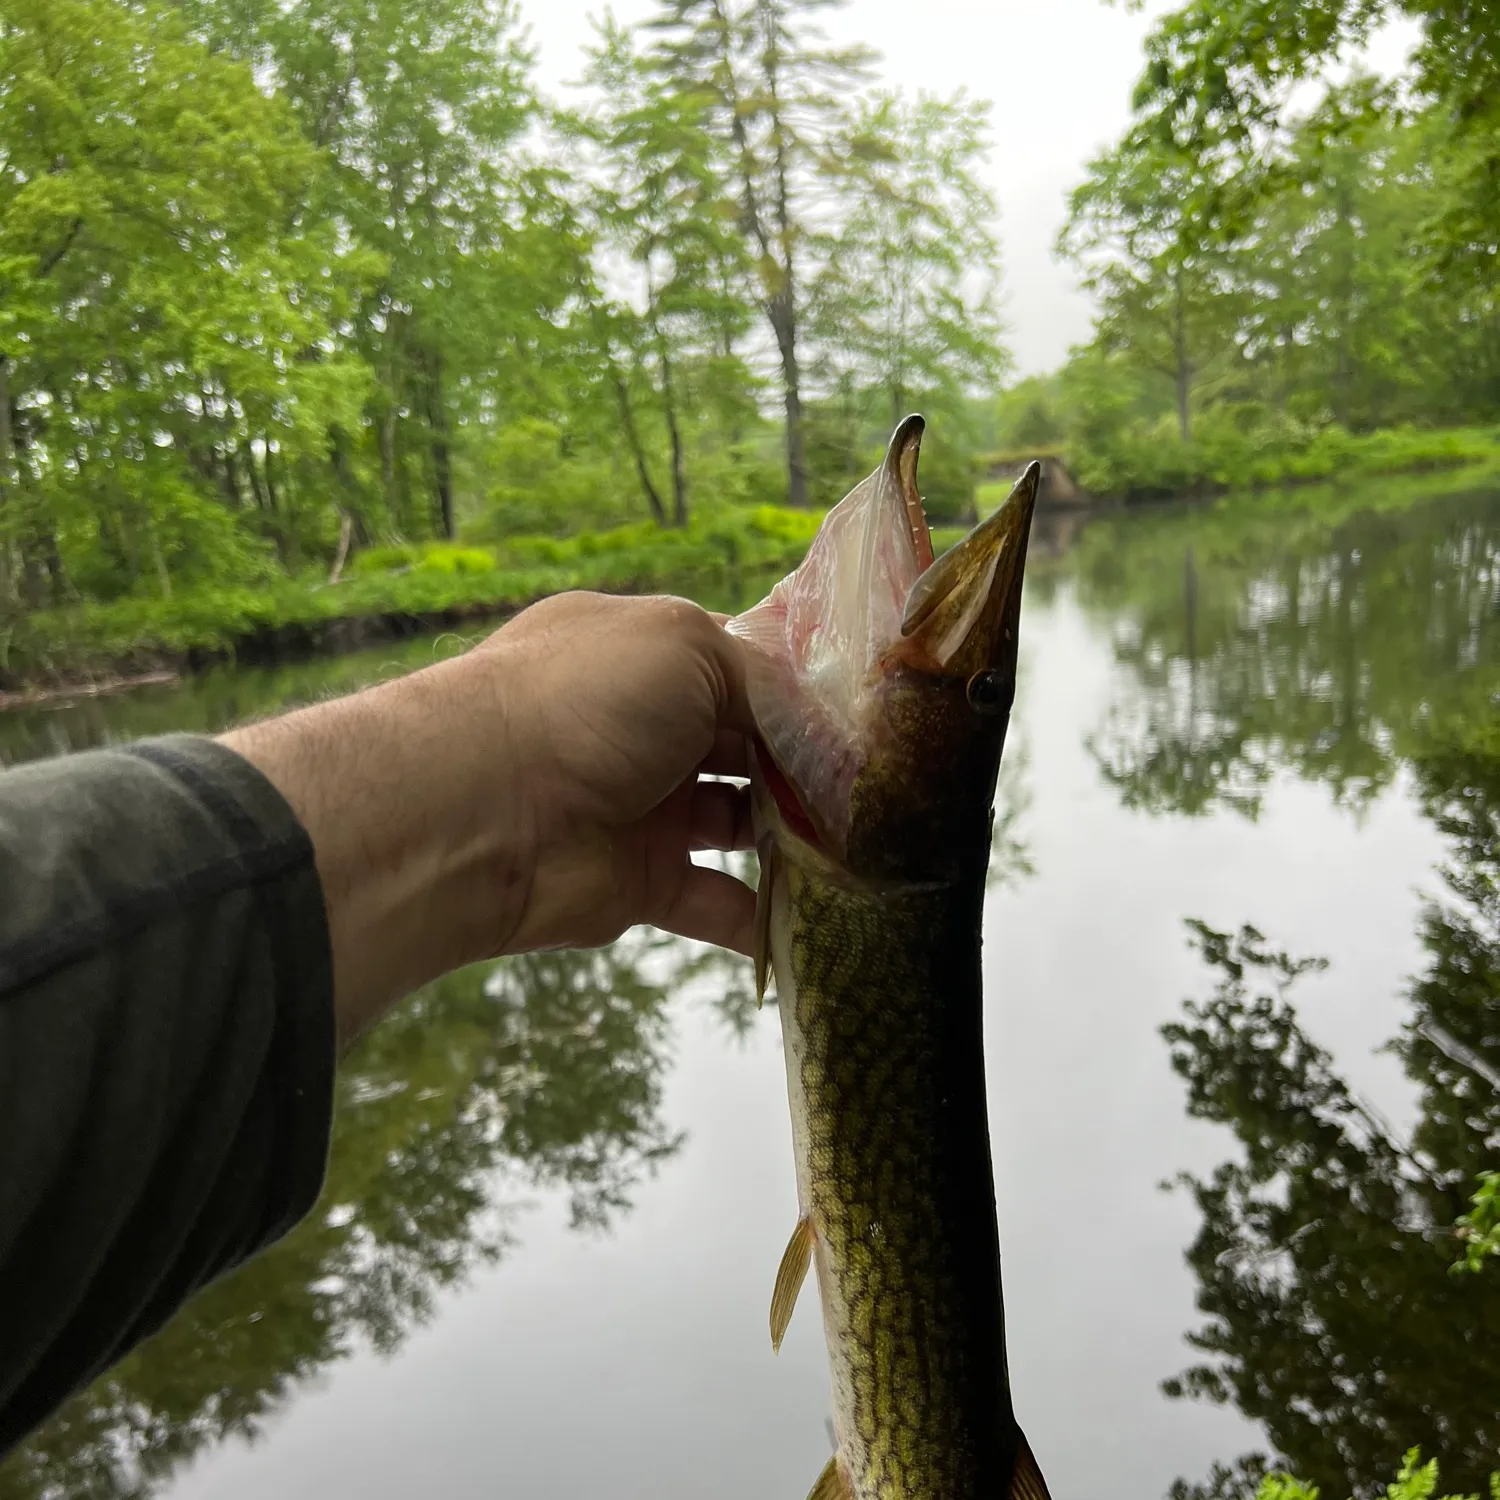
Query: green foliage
[
  {"x": 168, "y": 316},
  {"x": 1479, "y": 1229},
  {"x": 1247, "y": 446},
  {"x": 1264, "y": 275},
  {"x": 433, "y": 581},
  {"x": 1416, "y": 1481},
  {"x": 1030, "y": 416},
  {"x": 1143, "y": 229},
  {"x": 280, "y": 284},
  {"x": 1344, "y": 636},
  {"x": 772, "y": 94},
  {"x": 662, "y": 205},
  {"x": 904, "y": 307}
]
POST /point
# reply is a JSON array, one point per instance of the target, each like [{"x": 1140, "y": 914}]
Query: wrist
[{"x": 412, "y": 795}]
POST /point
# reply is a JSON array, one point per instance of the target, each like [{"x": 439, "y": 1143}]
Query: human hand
[
  {"x": 541, "y": 791},
  {"x": 616, "y": 708}
]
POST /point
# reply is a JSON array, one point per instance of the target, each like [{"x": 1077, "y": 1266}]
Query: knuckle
[{"x": 681, "y": 614}]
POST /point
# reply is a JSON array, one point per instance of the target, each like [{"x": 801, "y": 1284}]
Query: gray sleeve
[{"x": 166, "y": 1048}]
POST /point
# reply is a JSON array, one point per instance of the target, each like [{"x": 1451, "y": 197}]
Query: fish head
[{"x": 881, "y": 680}]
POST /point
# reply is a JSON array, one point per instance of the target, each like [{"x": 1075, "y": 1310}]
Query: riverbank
[
  {"x": 396, "y": 593},
  {"x": 389, "y": 593},
  {"x": 1138, "y": 463}
]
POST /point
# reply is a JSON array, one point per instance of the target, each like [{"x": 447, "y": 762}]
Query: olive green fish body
[
  {"x": 881, "y": 1012},
  {"x": 881, "y": 680}
]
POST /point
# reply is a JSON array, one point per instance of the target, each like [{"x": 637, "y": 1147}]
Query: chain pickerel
[{"x": 881, "y": 683}]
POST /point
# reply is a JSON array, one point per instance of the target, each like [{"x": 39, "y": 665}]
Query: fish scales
[{"x": 882, "y": 1013}]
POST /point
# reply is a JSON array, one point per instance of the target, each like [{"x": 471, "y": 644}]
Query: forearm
[{"x": 422, "y": 839}]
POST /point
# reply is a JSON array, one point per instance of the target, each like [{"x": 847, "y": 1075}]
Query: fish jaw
[
  {"x": 818, "y": 639},
  {"x": 881, "y": 680}
]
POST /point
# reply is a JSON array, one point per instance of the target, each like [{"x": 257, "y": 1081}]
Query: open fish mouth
[{"x": 869, "y": 602}]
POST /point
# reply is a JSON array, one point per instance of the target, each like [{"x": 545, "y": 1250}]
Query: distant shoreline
[{"x": 95, "y": 650}]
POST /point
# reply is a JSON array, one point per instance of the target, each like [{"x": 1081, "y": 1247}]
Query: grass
[
  {"x": 1149, "y": 463},
  {"x": 429, "y": 584}
]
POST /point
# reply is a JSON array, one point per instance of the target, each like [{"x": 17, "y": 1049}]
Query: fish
[{"x": 881, "y": 681}]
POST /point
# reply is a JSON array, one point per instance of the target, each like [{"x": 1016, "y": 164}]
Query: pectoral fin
[
  {"x": 833, "y": 1483},
  {"x": 1026, "y": 1482},
  {"x": 767, "y": 851},
  {"x": 789, "y": 1278}
]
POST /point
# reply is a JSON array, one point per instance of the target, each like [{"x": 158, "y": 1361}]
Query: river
[{"x": 560, "y": 1185}]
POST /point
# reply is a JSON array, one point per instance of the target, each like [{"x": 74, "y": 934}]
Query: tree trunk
[
  {"x": 388, "y": 440},
  {"x": 783, "y": 303},
  {"x": 256, "y": 493},
  {"x": 784, "y": 323},
  {"x": 270, "y": 482},
  {"x": 1182, "y": 368},
  {"x": 6, "y": 470},
  {"x": 273, "y": 508},
  {"x": 62, "y": 585},
  {"x": 669, "y": 405},
  {"x": 43, "y": 580},
  {"x": 1341, "y": 406},
  {"x": 633, "y": 438},
  {"x": 360, "y": 532},
  {"x": 734, "y": 431},
  {"x": 346, "y": 529},
  {"x": 442, "y": 468},
  {"x": 1342, "y": 364},
  {"x": 163, "y": 577},
  {"x": 780, "y": 297},
  {"x": 229, "y": 479},
  {"x": 33, "y": 576}
]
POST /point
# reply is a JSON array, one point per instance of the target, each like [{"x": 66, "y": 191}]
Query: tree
[
  {"x": 906, "y": 300},
  {"x": 1254, "y": 646},
  {"x": 773, "y": 96},
  {"x": 1334, "y": 264},
  {"x": 1218, "y": 72},
  {"x": 425, "y": 109},
  {"x": 661, "y": 204},
  {"x": 169, "y": 322},
  {"x": 1147, "y": 228}
]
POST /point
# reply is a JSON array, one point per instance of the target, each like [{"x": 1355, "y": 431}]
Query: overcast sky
[{"x": 1059, "y": 73}]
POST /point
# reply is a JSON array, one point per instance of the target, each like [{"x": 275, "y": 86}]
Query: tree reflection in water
[
  {"x": 1341, "y": 642},
  {"x": 1255, "y": 642},
  {"x": 538, "y": 1072},
  {"x": 1323, "y": 1255}
]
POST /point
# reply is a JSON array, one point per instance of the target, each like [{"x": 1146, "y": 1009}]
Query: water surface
[{"x": 560, "y": 1185}]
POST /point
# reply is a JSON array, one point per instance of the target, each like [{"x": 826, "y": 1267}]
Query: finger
[
  {"x": 712, "y": 907},
  {"x": 730, "y": 756},
  {"x": 719, "y": 619},
  {"x": 734, "y": 701},
  {"x": 719, "y": 817}
]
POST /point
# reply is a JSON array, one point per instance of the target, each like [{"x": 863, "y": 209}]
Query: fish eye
[{"x": 990, "y": 694}]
